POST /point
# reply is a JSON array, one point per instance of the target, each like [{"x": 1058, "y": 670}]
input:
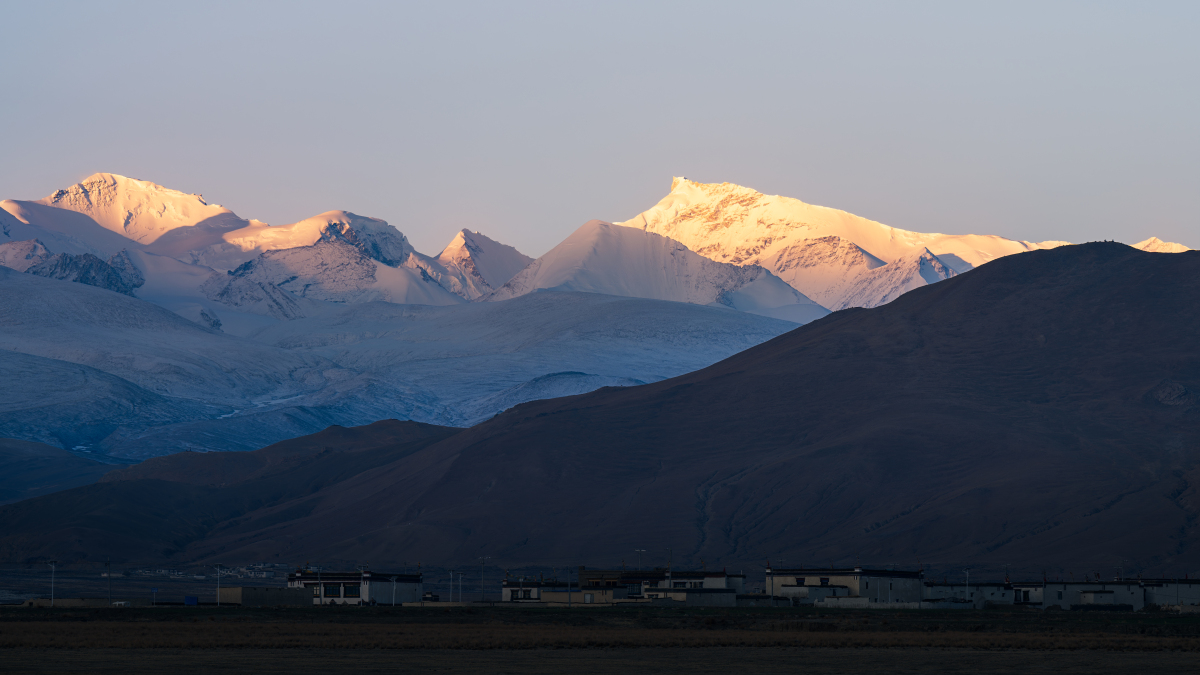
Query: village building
[
  {"x": 1181, "y": 593},
  {"x": 1115, "y": 594},
  {"x": 530, "y": 589},
  {"x": 976, "y": 595},
  {"x": 874, "y": 585},
  {"x": 605, "y": 587},
  {"x": 365, "y": 587}
]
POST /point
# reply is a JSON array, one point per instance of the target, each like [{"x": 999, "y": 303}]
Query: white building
[
  {"x": 877, "y": 586},
  {"x": 358, "y": 588}
]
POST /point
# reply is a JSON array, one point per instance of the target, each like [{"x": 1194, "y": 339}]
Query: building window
[
  {"x": 352, "y": 590},
  {"x": 588, "y": 598},
  {"x": 333, "y": 590},
  {"x": 825, "y": 581},
  {"x": 678, "y": 584},
  {"x": 315, "y": 589},
  {"x": 1060, "y": 595}
]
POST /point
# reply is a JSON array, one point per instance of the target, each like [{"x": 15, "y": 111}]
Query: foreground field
[
  {"x": 701, "y": 661},
  {"x": 594, "y": 640}
]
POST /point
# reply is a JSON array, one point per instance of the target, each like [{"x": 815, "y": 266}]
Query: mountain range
[
  {"x": 1038, "y": 410},
  {"x": 203, "y": 330}
]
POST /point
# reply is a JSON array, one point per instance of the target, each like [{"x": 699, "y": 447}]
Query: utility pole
[
  {"x": 218, "y": 566},
  {"x": 639, "y": 551},
  {"x": 967, "y": 593},
  {"x": 482, "y": 561},
  {"x": 108, "y": 573},
  {"x": 394, "y": 590},
  {"x": 53, "y": 565}
]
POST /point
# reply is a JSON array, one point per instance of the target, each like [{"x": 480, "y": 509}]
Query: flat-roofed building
[
  {"x": 530, "y": 589},
  {"x": 978, "y": 595},
  {"x": 875, "y": 585},
  {"x": 1172, "y": 592},
  {"x": 637, "y": 582},
  {"x": 367, "y": 587},
  {"x": 600, "y": 587},
  {"x": 1127, "y": 593}
]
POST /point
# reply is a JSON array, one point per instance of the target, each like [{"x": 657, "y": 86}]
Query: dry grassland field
[{"x": 594, "y": 640}]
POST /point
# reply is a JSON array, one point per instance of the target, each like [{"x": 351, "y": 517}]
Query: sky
[{"x": 1036, "y": 121}]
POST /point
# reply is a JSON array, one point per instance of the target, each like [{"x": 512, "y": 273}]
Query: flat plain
[{"x": 592, "y": 640}]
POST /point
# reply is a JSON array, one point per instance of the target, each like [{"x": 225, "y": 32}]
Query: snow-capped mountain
[
  {"x": 820, "y": 251},
  {"x": 1156, "y": 245},
  {"x": 473, "y": 265},
  {"x": 106, "y": 213},
  {"x": 149, "y": 215},
  {"x": 600, "y": 257},
  {"x": 138, "y": 209},
  {"x": 336, "y": 270},
  {"x": 374, "y": 237}
]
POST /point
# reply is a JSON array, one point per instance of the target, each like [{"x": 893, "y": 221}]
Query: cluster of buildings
[
  {"x": 855, "y": 587},
  {"x": 867, "y": 588}
]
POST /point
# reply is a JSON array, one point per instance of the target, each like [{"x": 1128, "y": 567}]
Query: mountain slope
[
  {"x": 21, "y": 255},
  {"x": 884, "y": 284},
  {"x": 61, "y": 230},
  {"x": 33, "y": 469},
  {"x": 1041, "y": 410},
  {"x": 1009, "y": 414},
  {"x": 336, "y": 270},
  {"x": 603, "y": 258},
  {"x": 119, "y": 376},
  {"x": 477, "y": 359},
  {"x": 738, "y": 225},
  {"x": 158, "y": 507}
]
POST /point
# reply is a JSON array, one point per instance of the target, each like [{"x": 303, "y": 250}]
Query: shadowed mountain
[
  {"x": 155, "y": 509},
  {"x": 1041, "y": 410},
  {"x": 34, "y": 469}
]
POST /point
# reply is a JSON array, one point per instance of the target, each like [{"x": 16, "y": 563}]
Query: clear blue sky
[{"x": 1039, "y": 120}]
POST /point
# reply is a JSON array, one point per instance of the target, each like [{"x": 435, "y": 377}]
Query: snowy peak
[
  {"x": 137, "y": 209},
  {"x": 483, "y": 258},
  {"x": 1156, "y": 245},
  {"x": 333, "y": 269},
  {"x": 604, "y": 258},
  {"x": 374, "y": 237},
  {"x": 820, "y": 251}
]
